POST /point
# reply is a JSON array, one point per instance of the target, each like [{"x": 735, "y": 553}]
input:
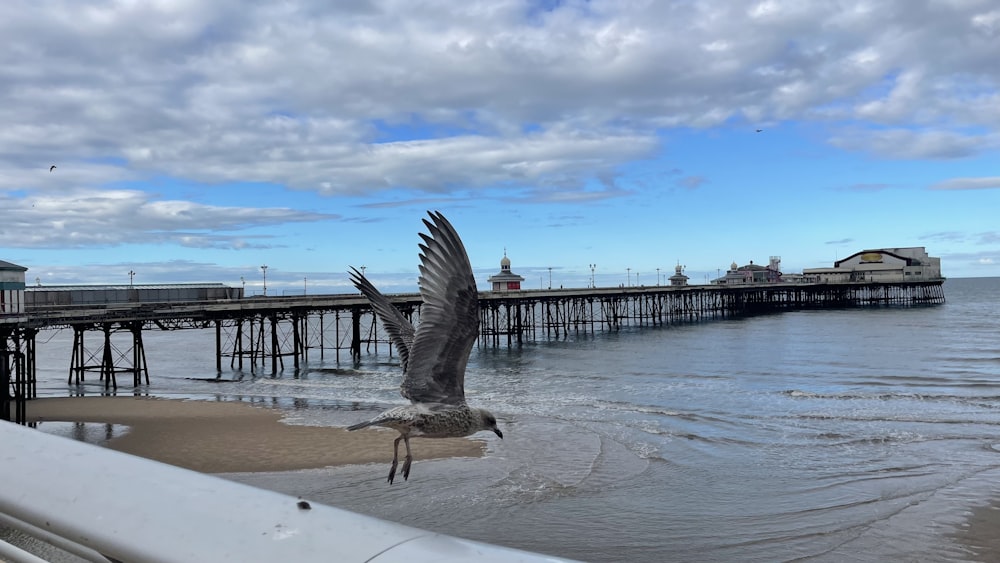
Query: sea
[{"x": 823, "y": 435}]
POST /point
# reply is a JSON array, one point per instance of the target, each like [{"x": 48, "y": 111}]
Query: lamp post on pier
[
  {"x": 628, "y": 277},
  {"x": 263, "y": 269},
  {"x": 657, "y": 276},
  {"x": 131, "y": 275},
  {"x": 592, "y": 268},
  {"x": 550, "y": 277}
]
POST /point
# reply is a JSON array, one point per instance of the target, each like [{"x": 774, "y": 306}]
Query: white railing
[{"x": 98, "y": 503}]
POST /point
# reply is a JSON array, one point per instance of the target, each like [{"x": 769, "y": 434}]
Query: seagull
[
  {"x": 51, "y": 168},
  {"x": 434, "y": 355},
  {"x": 759, "y": 130}
]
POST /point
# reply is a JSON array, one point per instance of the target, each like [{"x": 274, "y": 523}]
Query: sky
[{"x": 198, "y": 141}]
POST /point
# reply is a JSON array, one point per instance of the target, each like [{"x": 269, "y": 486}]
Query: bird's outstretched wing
[
  {"x": 449, "y": 318},
  {"x": 400, "y": 330}
]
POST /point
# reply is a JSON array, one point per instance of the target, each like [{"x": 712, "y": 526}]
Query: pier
[{"x": 270, "y": 334}]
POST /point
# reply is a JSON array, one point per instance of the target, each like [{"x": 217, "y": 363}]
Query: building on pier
[
  {"x": 61, "y": 295},
  {"x": 678, "y": 278},
  {"x": 505, "y": 280},
  {"x": 887, "y": 265},
  {"x": 752, "y": 273},
  {"x": 11, "y": 288}
]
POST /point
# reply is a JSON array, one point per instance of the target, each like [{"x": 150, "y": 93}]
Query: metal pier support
[
  {"x": 17, "y": 371},
  {"x": 112, "y": 359}
]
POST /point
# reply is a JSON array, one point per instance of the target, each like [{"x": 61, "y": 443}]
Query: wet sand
[
  {"x": 981, "y": 534},
  {"x": 227, "y": 437}
]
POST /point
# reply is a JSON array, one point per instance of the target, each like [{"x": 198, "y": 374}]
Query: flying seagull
[
  {"x": 51, "y": 168},
  {"x": 434, "y": 355},
  {"x": 759, "y": 130}
]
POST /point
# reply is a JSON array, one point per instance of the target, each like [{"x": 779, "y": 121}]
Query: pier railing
[
  {"x": 169, "y": 514},
  {"x": 261, "y": 333}
]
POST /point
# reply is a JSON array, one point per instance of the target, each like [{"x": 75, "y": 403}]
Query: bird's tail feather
[{"x": 360, "y": 425}]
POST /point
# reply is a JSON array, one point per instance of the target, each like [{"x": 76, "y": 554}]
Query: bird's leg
[
  {"x": 409, "y": 458},
  {"x": 395, "y": 457}
]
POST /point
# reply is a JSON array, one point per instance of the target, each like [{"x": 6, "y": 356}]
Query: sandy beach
[
  {"x": 980, "y": 534},
  {"x": 229, "y": 437}
]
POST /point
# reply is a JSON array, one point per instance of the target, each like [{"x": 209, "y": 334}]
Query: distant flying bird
[
  {"x": 759, "y": 130},
  {"x": 51, "y": 168},
  {"x": 434, "y": 355}
]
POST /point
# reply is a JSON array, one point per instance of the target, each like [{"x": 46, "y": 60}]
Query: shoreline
[{"x": 232, "y": 437}]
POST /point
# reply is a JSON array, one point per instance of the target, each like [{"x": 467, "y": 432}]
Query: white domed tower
[
  {"x": 505, "y": 280},
  {"x": 678, "y": 278}
]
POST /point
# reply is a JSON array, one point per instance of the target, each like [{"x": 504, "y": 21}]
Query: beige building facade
[{"x": 880, "y": 265}]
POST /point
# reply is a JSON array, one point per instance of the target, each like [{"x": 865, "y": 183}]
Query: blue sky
[{"x": 198, "y": 141}]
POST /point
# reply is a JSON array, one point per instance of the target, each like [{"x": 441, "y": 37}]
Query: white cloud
[
  {"x": 986, "y": 183},
  {"x": 691, "y": 182},
  {"x": 974, "y": 259},
  {"x": 108, "y": 218},
  {"x": 901, "y": 103},
  {"x": 911, "y": 144},
  {"x": 302, "y": 94}
]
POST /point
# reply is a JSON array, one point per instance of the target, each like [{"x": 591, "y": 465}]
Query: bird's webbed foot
[
  {"x": 406, "y": 467},
  {"x": 392, "y": 471}
]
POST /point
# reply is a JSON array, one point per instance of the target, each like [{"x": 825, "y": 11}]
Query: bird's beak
[{"x": 498, "y": 432}]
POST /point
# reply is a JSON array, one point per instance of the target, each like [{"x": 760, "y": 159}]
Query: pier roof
[
  {"x": 84, "y": 287},
  {"x": 4, "y": 265}
]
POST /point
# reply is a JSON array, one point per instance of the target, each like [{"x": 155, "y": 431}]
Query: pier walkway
[{"x": 260, "y": 333}]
